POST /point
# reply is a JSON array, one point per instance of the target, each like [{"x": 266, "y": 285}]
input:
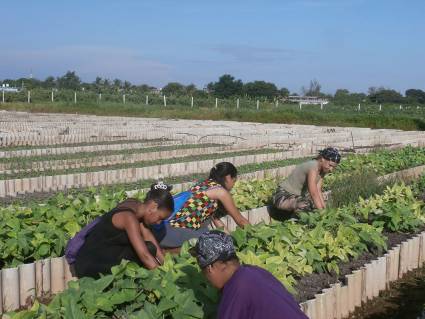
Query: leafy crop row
[
  {"x": 42, "y": 230},
  {"x": 96, "y": 143},
  {"x": 315, "y": 243},
  {"x": 385, "y": 161},
  {"x": 184, "y": 159},
  {"x": 26, "y": 161}
]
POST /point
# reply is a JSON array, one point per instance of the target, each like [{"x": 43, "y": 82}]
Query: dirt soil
[
  {"x": 312, "y": 284},
  {"x": 404, "y": 300}
]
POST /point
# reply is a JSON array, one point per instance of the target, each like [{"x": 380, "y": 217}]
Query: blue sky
[{"x": 351, "y": 44}]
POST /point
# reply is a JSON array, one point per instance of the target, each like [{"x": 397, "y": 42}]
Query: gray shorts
[{"x": 173, "y": 237}]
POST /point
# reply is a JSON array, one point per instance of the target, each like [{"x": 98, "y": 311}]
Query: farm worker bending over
[
  {"x": 123, "y": 233},
  {"x": 195, "y": 209},
  {"x": 248, "y": 292},
  {"x": 291, "y": 195}
]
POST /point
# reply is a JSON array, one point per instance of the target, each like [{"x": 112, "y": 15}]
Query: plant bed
[
  {"x": 289, "y": 250},
  {"x": 309, "y": 286},
  {"x": 404, "y": 300},
  {"x": 138, "y": 164},
  {"x": 37, "y": 197},
  {"x": 86, "y": 155},
  {"x": 112, "y": 142}
]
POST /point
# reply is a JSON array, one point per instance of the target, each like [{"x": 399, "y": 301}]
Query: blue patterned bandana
[
  {"x": 331, "y": 154},
  {"x": 212, "y": 246}
]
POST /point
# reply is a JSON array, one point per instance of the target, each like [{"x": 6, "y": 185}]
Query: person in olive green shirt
[{"x": 302, "y": 190}]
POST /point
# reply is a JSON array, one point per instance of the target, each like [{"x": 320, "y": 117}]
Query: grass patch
[
  {"x": 331, "y": 116},
  {"x": 348, "y": 188}
]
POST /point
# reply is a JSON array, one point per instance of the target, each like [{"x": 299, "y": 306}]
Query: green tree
[
  {"x": 344, "y": 97},
  {"x": 260, "y": 89},
  {"x": 127, "y": 86},
  {"x": 415, "y": 96},
  {"x": 174, "y": 88},
  {"x": 98, "y": 84},
  {"x": 49, "y": 82},
  {"x": 69, "y": 81},
  {"x": 382, "y": 95},
  {"x": 284, "y": 92},
  {"x": 191, "y": 89},
  {"x": 226, "y": 87},
  {"x": 143, "y": 88},
  {"x": 117, "y": 85}
]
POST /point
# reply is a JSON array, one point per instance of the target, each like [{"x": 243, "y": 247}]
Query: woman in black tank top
[{"x": 124, "y": 233}]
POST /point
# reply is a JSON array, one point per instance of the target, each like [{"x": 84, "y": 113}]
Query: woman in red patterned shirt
[{"x": 198, "y": 207}]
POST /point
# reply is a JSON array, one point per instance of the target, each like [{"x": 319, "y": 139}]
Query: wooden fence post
[
  {"x": 26, "y": 284},
  {"x": 10, "y": 289}
]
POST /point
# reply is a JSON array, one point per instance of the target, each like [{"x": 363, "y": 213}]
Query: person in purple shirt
[{"x": 248, "y": 292}]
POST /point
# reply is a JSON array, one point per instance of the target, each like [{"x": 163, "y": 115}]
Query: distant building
[
  {"x": 156, "y": 90},
  {"x": 307, "y": 99},
  {"x": 6, "y": 88}
]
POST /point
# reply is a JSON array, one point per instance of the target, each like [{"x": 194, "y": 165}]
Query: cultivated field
[{"x": 60, "y": 171}]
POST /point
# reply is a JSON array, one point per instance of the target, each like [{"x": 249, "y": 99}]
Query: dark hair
[
  {"x": 160, "y": 194},
  {"x": 221, "y": 170},
  {"x": 226, "y": 258}
]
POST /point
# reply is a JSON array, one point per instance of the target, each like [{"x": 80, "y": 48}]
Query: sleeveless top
[
  {"x": 296, "y": 183},
  {"x": 198, "y": 208},
  {"x": 105, "y": 246}
]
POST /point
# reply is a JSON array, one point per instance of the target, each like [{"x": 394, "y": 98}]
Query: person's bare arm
[
  {"x": 313, "y": 190},
  {"x": 128, "y": 222},
  {"x": 219, "y": 224},
  {"x": 148, "y": 236},
  {"x": 226, "y": 200},
  {"x": 319, "y": 187}
]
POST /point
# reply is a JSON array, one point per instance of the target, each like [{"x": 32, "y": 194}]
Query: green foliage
[
  {"x": 262, "y": 89},
  {"x": 382, "y": 95},
  {"x": 415, "y": 96},
  {"x": 347, "y": 188},
  {"x": 68, "y": 81},
  {"x": 42, "y": 230},
  {"x": 141, "y": 163},
  {"x": 418, "y": 187},
  {"x": 383, "y": 161},
  {"x": 175, "y": 290},
  {"x": 344, "y": 97},
  {"x": 226, "y": 86},
  {"x": 249, "y": 194},
  {"x": 396, "y": 210},
  {"x": 289, "y": 250},
  {"x": 410, "y": 118}
]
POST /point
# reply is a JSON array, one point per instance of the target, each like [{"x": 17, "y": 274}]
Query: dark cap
[{"x": 212, "y": 246}]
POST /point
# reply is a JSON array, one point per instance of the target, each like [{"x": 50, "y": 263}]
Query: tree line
[{"x": 227, "y": 86}]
